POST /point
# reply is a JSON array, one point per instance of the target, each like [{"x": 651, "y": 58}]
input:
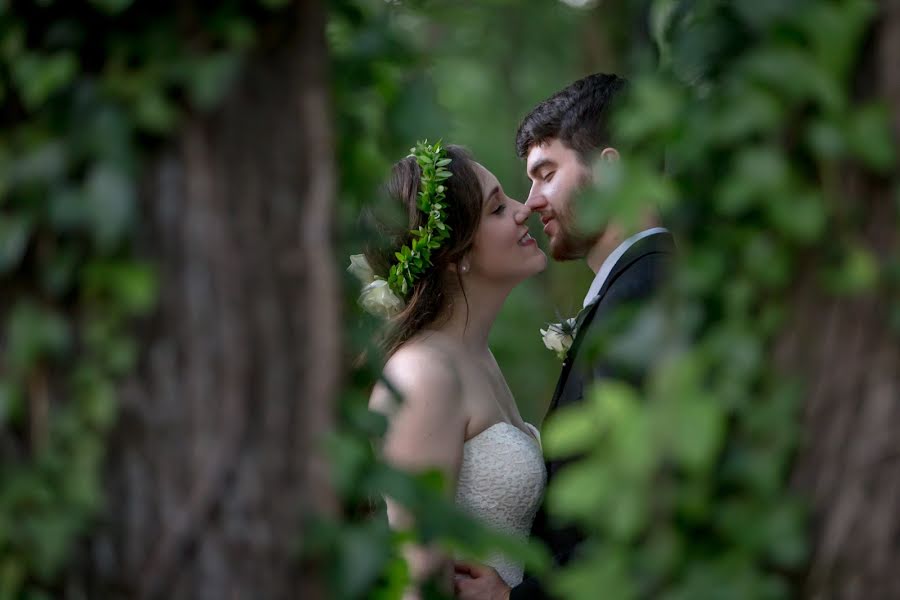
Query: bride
[{"x": 442, "y": 280}]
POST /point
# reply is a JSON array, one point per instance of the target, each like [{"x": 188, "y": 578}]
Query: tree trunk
[
  {"x": 216, "y": 458},
  {"x": 849, "y": 355}
]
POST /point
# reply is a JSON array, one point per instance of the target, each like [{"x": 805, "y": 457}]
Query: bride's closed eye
[{"x": 499, "y": 210}]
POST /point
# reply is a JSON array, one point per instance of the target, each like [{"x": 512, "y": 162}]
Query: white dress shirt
[{"x": 611, "y": 260}]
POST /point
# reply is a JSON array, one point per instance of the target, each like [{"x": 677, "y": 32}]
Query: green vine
[
  {"x": 89, "y": 91},
  {"x": 412, "y": 260}
]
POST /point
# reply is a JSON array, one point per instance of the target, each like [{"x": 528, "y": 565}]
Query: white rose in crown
[
  {"x": 377, "y": 298},
  {"x": 359, "y": 267},
  {"x": 559, "y": 337}
]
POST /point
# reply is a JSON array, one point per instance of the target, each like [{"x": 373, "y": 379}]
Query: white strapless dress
[{"x": 501, "y": 483}]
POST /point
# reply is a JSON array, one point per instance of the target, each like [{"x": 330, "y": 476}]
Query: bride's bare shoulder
[{"x": 422, "y": 370}]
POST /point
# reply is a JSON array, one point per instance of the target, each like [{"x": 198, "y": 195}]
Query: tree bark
[
  {"x": 849, "y": 355},
  {"x": 217, "y": 458}
]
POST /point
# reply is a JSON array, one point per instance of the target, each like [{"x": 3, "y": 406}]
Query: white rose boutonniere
[
  {"x": 376, "y": 297},
  {"x": 559, "y": 337}
]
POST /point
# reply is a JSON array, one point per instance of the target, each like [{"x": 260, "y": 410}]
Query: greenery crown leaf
[{"x": 415, "y": 258}]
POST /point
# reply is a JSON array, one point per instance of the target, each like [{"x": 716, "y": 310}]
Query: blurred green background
[{"x": 730, "y": 477}]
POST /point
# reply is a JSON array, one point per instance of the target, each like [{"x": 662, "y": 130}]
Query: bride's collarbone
[
  {"x": 489, "y": 402},
  {"x": 481, "y": 382}
]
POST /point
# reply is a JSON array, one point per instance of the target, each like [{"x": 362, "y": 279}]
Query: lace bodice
[{"x": 501, "y": 482}]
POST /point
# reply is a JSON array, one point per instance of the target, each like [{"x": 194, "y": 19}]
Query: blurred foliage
[
  {"x": 89, "y": 90},
  {"x": 684, "y": 486}
]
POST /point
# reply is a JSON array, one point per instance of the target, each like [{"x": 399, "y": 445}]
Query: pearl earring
[{"x": 465, "y": 268}]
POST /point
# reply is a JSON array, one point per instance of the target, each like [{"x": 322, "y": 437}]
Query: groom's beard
[
  {"x": 570, "y": 243},
  {"x": 570, "y": 246}
]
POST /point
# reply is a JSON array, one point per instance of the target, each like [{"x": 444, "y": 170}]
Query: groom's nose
[{"x": 537, "y": 202}]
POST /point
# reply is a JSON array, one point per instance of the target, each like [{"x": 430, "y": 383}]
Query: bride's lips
[{"x": 526, "y": 239}]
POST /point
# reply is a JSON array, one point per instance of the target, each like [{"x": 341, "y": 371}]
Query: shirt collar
[{"x": 611, "y": 260}]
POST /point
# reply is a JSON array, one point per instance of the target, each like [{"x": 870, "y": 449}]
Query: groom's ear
[{"x": 609, "y": 153}]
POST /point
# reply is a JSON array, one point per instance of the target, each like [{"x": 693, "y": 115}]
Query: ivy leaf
[
  {"x": 155, "y": 113},
  {"x": 579, "y": 489},
  {"x": 801, "y": 217},
  {"x": 34, "y": 333},
  {"x": 110, "y": 199},
  {"x": 96, "y": 396},
  {"x": 37, "y": 76},
  {"x": 14, "y": 233},
  {"x": 10, "y": 403},
  {"x": 568, "y": 431},
  {"x": 869, "y": 138},
  {"x": 857, "y": 272},
  {"x": 208, "y": 78},
  {"x": 131, "y": 286}
]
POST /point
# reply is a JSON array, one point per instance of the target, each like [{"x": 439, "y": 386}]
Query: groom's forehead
[
  {"x": 538, "y": 156},
  {"x": 550, "y": 147}
]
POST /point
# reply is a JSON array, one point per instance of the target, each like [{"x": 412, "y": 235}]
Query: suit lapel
[{"x": 658, "y": 242}]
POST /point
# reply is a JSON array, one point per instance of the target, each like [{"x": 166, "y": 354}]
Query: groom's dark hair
[{"x": 578, "y": 115}]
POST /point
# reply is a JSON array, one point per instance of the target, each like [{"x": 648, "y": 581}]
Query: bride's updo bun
[{"x": 429, "y": 296}]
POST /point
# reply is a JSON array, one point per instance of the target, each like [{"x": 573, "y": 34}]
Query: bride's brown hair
[{"x": 429, "y": 296}]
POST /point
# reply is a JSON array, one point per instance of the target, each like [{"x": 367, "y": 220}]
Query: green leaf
[
  {"x": 110, "y": 201},
  {"x": 42, "y": 164},
  {"x": 34, "y": 333},
  {"x": 10, "y": 406},
  {"x": 38, "y": 77},
  {"x": 800, "y": 217},
  {"x": 601, "y": 568},
  {"x": 857, "y": 272},
  {"x": 826, "y": 139},
  {"x": 155, "y": 112},
  {"x": 96, "y": 396},
  {"x": 580, "y": 489},
  {"x": 208, "y": 77},
  {"x": 570, "y": 430},
  {"x": 14, "y": 233},
  {"x": 869, "y": 138},
  {"x": 362, "y": 557},
  {"x": 131, "y": 286}
]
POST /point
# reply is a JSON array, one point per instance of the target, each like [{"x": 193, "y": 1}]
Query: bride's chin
[{"x": 540, "y": 264}]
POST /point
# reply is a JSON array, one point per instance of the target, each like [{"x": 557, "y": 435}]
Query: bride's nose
[{"x": 522, "y": 213}]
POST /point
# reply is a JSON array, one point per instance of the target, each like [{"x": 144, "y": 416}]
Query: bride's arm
[{"x": 426, "y": 430}]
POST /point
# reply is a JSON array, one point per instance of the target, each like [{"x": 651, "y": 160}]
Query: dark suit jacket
[{"x": 634, "y": 279}]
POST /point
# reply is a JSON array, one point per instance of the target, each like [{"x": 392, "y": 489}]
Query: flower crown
[{"x": 385, "y": 298}]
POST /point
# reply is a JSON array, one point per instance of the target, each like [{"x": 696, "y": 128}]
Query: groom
[{"x": 559, "y": 140}]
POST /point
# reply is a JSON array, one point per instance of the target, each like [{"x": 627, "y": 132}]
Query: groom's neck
[
  {"x": 614, "y": 234},
  {"x": 611, "y": 237}
]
